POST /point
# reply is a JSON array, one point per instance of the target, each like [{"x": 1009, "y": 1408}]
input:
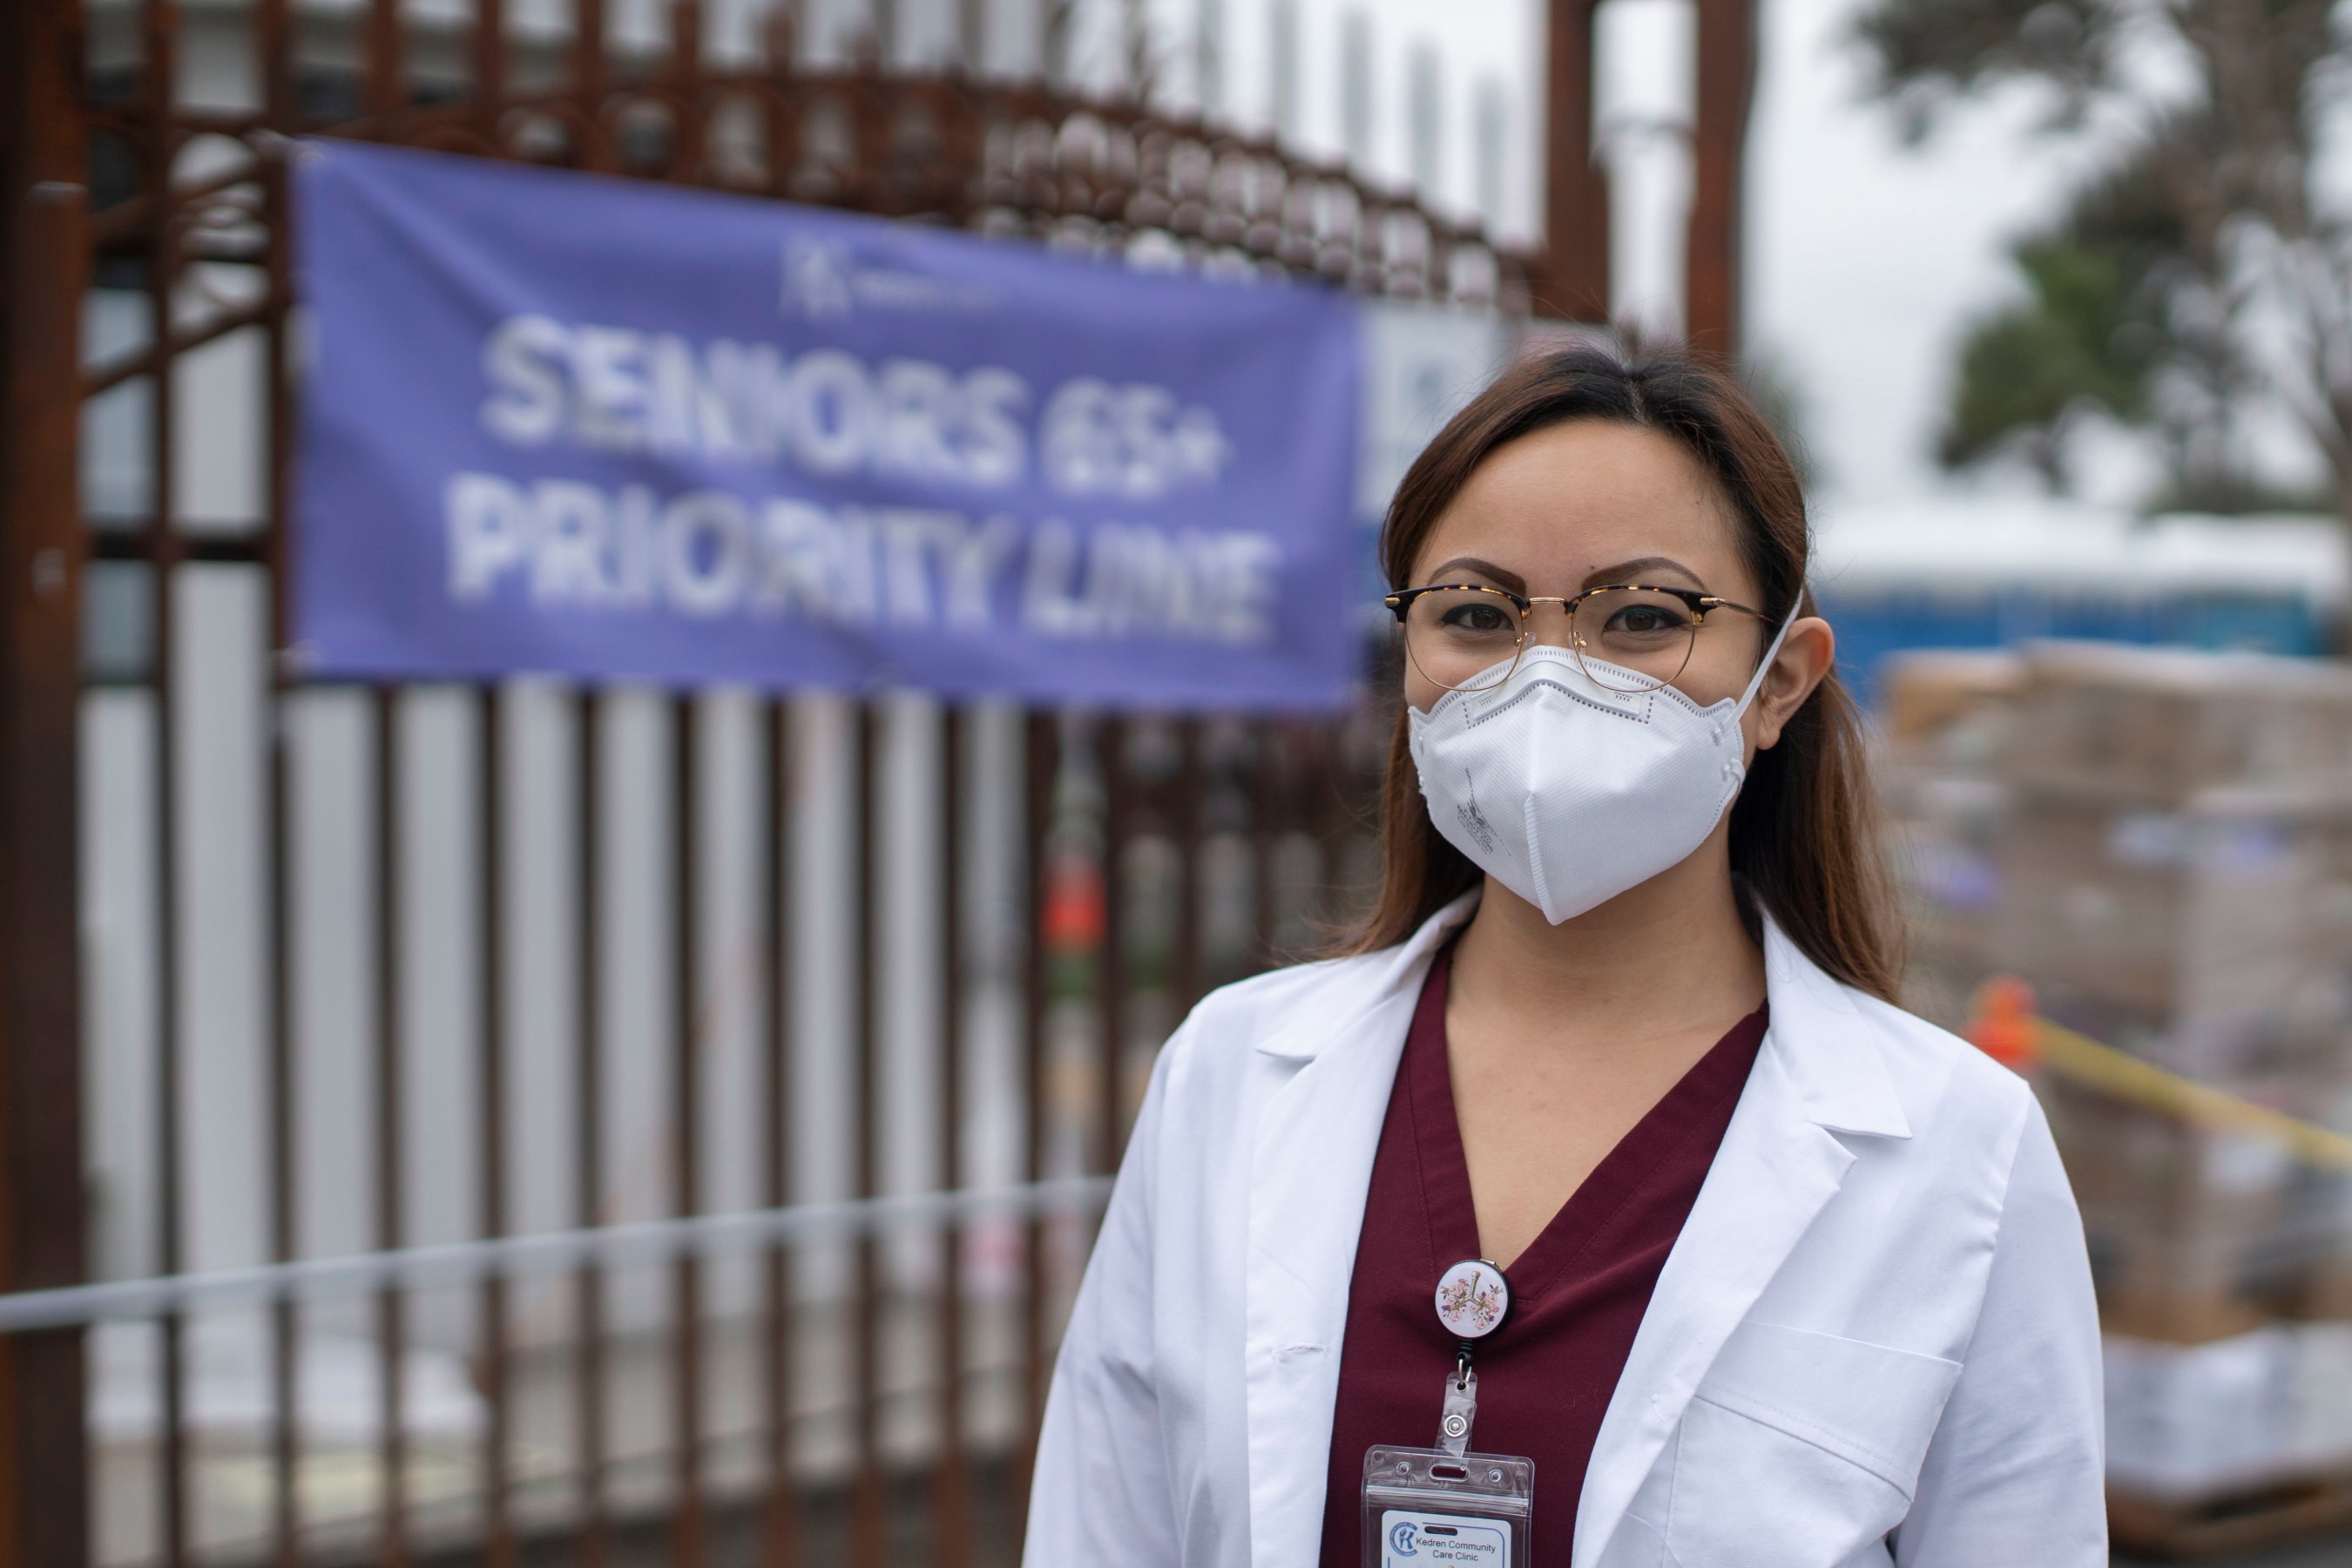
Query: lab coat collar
[
  {"x": 1830, "y": 1048},
  {"x": 1365, "y": 984},
  {"x": 1827, "y": 1046}
]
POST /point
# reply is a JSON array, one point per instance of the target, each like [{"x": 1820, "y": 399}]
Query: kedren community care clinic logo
[
  {"x": 1403, "y": 1539},
  {"x": 825, "y": 281}
]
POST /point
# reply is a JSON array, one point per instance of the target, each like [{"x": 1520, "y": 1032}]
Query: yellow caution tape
[
  {"x": 2086, "y": 1061},
  {"x": 2007, "y": 1030}
]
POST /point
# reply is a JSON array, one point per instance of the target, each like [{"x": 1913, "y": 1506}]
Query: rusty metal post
[
  {"x": 491, "y": 1368},
  {"x": 779, "y": 1536},
  {"x": 869, "y": 1524},
  {"x": 1041, "y": 772},
  {"x": 159, "y": 25},
  {"x": 950, "y": 1484},
  {"x": 44, "y": 1463},
  {"x": 1184, "y": 981},
  {"x": 1727, "y": 85},
  {"x": 688, "y": 1540},
  {"x": 590, "y": 1446},
  {"x": 1266, "y": 825},
  {"x": 1574, "y": 284},
  {"x": 587, "y": 69},
  {"x": 390, "y": 1175},
  {"x": 386, "y": 79},
  {"x": 273, "y": 30},
  {"x": 1111, "y": 978},
  {"x": 490, "y": 67}
]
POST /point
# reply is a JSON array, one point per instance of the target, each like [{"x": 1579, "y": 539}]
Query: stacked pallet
[{"x": 2160, "y": 843}]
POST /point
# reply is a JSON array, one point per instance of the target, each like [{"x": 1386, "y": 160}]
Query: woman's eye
[
  {"x": 1476, "y": 618},
  {"x": 1647, "y": 621}
]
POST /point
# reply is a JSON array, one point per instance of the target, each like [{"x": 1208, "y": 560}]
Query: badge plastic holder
[{"x": 1427, "y": 1507}]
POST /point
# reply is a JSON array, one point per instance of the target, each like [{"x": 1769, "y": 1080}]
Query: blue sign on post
[{"x": 615, "y": 430}]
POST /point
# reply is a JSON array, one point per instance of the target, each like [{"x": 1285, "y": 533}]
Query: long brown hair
[{"x": 1803, "y": 832}]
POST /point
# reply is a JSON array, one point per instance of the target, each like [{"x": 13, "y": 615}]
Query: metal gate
[{"x": 615, "y": 1123}]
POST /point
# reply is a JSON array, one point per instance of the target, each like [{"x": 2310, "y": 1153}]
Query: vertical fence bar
[
  {"x": 386, "y": 82},
  {"x": 285, "y": 1324},
  {"x": 689, "y": 142},
  {"x": 1110, "y": 972},
  {"x": 490, "y": 67},
  {"x": 686, "y": 1542},
  {"x": 274, "y": 51},
  {"x": 391, "y": 1167},
  {"x": 1725, "y": 85},
  {"x": 1573, "y": 283},
  {"x": 499, "y": 1549},
  {"x": 162, "y": 20},
  {"x": 1265, "y": 773},
  {"x": 273, "y": 59},
  {"x": 588, "y": 81},
  {"x": 780, "y": 1545},
  {"x": 868, "y": 1528},
  {"x": 44, "y": 1459},
  {"x": 951, "y": 1497},
  {"x": 1041, "y": 764},
  {"x": 588, "y": 1115},
  {"x": 1332, "y": 816},
  {"x": 1185, "y": 958},
  {"x": 781, "y": 104}
]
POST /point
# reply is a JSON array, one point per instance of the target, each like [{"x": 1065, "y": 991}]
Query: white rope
[{"x": 546, "y": 1252}]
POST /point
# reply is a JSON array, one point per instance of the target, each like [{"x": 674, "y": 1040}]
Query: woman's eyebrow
[
  {"x": 1500, "y": 576},
  {"x": 1632, "y": 570}
]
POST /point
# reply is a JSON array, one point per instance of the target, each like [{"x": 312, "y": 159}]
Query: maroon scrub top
[{"x": 1578, "y": 1292}]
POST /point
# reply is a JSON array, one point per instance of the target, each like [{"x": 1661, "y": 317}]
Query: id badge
[{"x": 1427, "y": 1507}]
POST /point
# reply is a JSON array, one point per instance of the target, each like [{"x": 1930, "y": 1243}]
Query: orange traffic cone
[{"x": 2003, "y": 1027}]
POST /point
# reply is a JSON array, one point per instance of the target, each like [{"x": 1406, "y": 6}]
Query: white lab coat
[{"x": 1874, "y": 1343}]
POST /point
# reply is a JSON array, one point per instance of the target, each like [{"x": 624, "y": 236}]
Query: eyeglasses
[{"x": 1627, "y": 637}]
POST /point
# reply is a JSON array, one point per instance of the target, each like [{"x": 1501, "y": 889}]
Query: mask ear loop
[{"x": 1763, "y": 668}]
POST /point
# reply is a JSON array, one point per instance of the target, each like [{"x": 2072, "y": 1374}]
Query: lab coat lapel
[
  {"x": 1818, "y": 1067},
  {"x": 1331, "y": 1074}
]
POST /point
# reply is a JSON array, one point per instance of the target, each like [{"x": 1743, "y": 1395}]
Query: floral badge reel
[
  {"x": 1472, "y": 1300},
  {"x": 1445, "y": 1504}
]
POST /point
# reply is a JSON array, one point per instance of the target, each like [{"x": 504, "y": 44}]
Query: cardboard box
[
  {"x": 1945, "y": 711},
  {"x": 2188, "y": 1421},
  {"x": 2215, "y": 937},
  {"x": 2184, "y": 1224},
  {"x": 2272, "y": 1404},
  {"x": 2156, "y": 726},
  {"x": 2160, "y": 843}
]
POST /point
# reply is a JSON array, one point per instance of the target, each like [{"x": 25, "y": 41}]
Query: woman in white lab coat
[{"x": 1795, "y": 1279}]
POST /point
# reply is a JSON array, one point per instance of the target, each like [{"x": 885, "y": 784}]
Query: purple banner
[{"x": 623, "y": 431}]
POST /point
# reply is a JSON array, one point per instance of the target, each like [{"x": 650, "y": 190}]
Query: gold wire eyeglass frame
[{"x": 1399, "y": 603}]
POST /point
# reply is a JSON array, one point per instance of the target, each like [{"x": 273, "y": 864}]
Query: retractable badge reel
[{"x": 1425, "y": 1508}]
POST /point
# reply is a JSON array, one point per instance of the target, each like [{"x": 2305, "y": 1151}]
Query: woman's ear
[{"x": 1805, "y": 656}]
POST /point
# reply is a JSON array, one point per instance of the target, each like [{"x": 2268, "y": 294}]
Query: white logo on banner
[{"x": 817, "y": 278}]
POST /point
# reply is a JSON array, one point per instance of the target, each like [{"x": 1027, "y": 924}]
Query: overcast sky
[{"x": 1867, "y": 259}]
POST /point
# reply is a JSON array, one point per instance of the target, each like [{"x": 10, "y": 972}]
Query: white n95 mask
[{"x": 1568, "y": 792}]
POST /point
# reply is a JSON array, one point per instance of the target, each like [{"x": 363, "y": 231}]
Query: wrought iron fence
[{"x": 530, "y": 1119}]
